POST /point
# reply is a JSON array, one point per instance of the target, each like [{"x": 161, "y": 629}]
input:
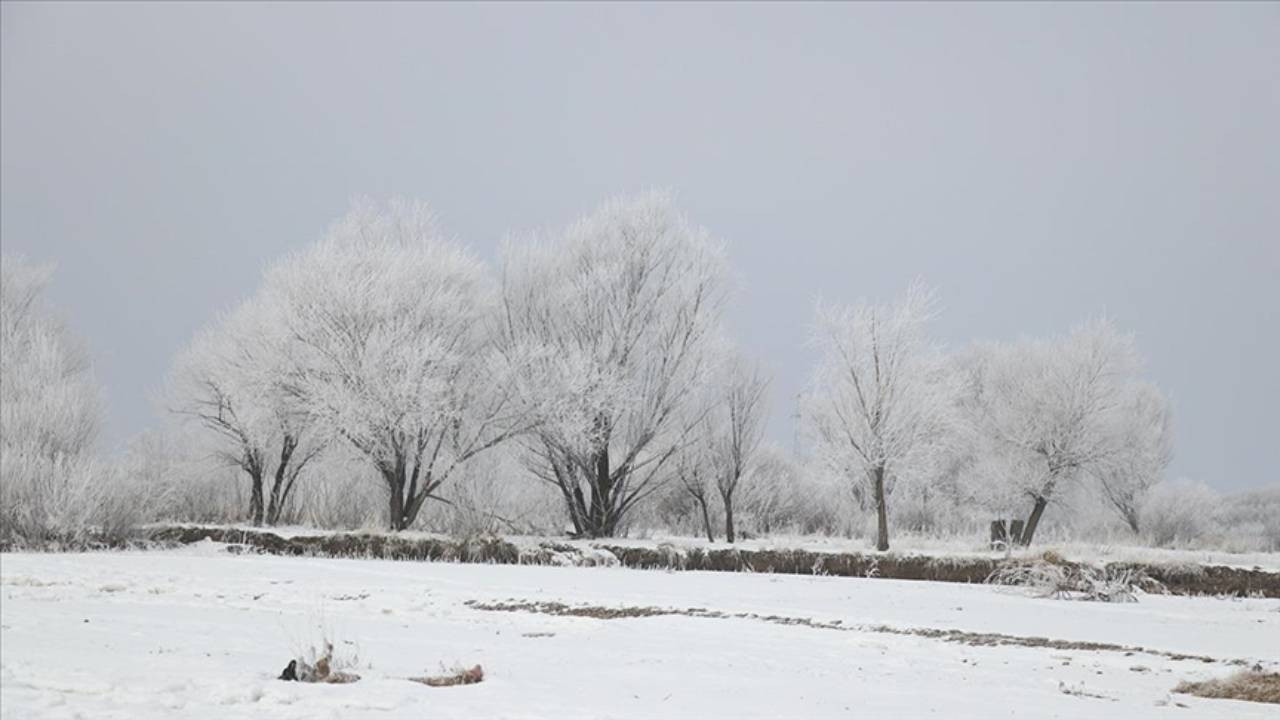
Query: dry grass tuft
[
  {"x": 1251, "y": 685},
  {"x": 320, "y": 667},
  {"x": 459, "y": 676},
  {"x": 1053, "y": 557}
]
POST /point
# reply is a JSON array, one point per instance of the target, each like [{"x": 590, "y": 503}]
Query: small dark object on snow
[
  {"x": 460, "y": 677},
  {"x": 290, "y": 671}
]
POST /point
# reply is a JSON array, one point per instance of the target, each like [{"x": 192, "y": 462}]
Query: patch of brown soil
[{"x": 942, "y": 634}]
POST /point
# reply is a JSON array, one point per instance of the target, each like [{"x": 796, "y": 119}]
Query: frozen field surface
[{"x": 202, "y": 633}]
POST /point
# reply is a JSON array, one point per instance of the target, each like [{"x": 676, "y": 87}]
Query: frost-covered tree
[
  {"x": 620, "y": 313},
  {"x": 880, "y": 399},
  {"x": 51, "y": 405},
  {"x": 390, "y": 328},
  {"x": 775, "y": 493},
  {"x": 1179, "y": 512},
  {"x": 737, "y": 421},
  {"x": 1057, "y": 410},
  {"x": 696, "y": 470},
  {"x": 1144, "y": 449},
  {"x": 49, "y": 414},
  {"x": 231, "y": 381}
]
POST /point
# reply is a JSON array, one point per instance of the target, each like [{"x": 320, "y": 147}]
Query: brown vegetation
[
  {"x": 1252, "y": 685},
  {"x": 469, "y": 676},
  {"x": 1172, "y": 579}
]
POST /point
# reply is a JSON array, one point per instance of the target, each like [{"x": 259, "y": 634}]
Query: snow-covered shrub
[
  {"x": 338, "y": 500},
  {"x": 1045, "y": 579},
  {"x": 1250, "y": 521},
  {"x": 1178, "y": 513},
  {"x": 1050, "y": 576},
  {"x": 495, "y": 495}
]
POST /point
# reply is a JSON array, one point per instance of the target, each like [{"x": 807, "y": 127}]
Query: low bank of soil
[{"x": 1172, "y": 579}]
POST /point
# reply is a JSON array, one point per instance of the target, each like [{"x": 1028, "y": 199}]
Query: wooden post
[
  {"x": 999, "y": 535},
  {"x": 1015, "y": 532}
]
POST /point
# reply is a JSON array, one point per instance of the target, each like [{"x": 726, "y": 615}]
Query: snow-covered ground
[{"x": 199, "y": 632}]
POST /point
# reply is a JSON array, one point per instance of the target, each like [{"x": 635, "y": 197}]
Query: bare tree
[
  {"x": 1064, "y": 408},
  {"x": 880, "y": 399},
  {"x": 390, "y": 347},
  {"x": 231, "y": 381},
  {"x": 621, "y": 315},
  {"x": 738, "y": 422}
]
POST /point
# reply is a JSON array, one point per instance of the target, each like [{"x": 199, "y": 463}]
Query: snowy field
[{"x": 202, "y": 633}]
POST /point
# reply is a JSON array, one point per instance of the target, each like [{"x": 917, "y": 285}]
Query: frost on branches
[
  {"x": 723, "y": 450},
  {"x": 617, "y": 318},
  {"x": 389, "y": 348},
  {"x": 231, "y": 382},
  {"x": 1055, "y": 411},
  {"x": 881, "y": 399},
  {"x": 49, "y": 416}
]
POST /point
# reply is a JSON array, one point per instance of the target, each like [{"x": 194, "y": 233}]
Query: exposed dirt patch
[
  {"x": 945, "y": 635},
  {"x": 1173, "y": 579},
  {"x": 1251, "y": 685}
]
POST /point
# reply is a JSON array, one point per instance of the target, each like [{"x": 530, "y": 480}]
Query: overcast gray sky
[{"x": 1039, "y": 164}]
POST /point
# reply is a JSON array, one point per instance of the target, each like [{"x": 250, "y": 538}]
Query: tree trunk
[
  {"x": 706, "y": 518},
  {"x": 1033, "y": 520},
  {"x": 405, "y": 497},
  {"x": 276, "y": 504},
  {"x": 882, "y": 513},
  {"x": 594, "y": 519},
  {"x": 395, "y": 486},
  {"x": 602, "y": 496},
  {"x": 600, "y": 518},
  {"x": 728, "y": 518},
  {"x": 413, "y": 502},
  {"x": 1131, "y": 517},
  {"x": 599, "y": 515},
  {"x": 255, "y": 497},
  {"x": 577, "y": 510}
]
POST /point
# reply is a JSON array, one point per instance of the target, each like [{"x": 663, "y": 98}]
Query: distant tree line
[{"x": 595, "y": 355}]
